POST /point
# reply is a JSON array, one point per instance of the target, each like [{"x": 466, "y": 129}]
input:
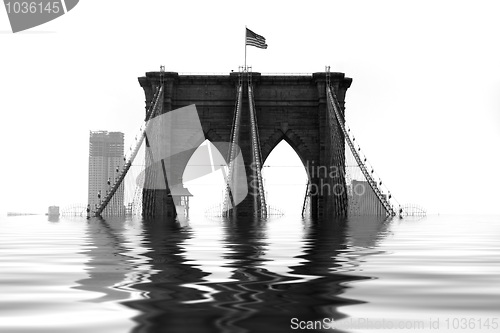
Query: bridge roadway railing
[
  {"x": 334, "y": 111},
  {"x": 150, "y": 114},
  {"x": 226, "y": 74}
]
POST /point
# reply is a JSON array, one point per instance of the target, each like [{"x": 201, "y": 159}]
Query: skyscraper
[{"x": 105, "y": 163}]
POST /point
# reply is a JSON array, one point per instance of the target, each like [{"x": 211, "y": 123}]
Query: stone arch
[
  {"x": 219, "y": 143},
  {"x": 212, "y": 136},
  {"x": 292, "y": 139}
]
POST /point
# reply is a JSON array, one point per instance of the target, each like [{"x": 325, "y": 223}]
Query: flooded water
[{"x": 440, "y": 273}]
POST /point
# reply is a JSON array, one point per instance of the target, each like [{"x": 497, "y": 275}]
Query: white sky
[{"x": 424, "y": 103}]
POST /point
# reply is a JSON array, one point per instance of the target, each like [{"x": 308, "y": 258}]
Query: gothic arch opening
[
  {"x": 204, "y": 179},
  {"x": 285, "y": 179}
]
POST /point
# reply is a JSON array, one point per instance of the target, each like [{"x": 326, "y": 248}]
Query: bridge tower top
[
  {"x": 180, "y": 87},
  {"x": 335, "y": 77}
]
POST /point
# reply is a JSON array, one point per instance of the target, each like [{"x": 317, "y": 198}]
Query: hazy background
[{"x": 424, "y": 104}]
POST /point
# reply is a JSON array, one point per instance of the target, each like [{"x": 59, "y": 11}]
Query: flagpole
[{"x": 245, "y": 68}]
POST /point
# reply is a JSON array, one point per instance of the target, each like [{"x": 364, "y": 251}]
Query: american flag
[{"x": 255, "y": 40}]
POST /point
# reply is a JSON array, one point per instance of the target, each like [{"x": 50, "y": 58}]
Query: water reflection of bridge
[{"x": 244, "y": 275}]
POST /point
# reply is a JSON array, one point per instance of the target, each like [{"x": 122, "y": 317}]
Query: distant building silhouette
[
  {"x": 105, "y": 160},
  {"x": 53, "y": 211},
  {"x": 363, "y": 201}
]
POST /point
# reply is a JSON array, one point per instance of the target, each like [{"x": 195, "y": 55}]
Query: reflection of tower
[
  {"x": 169, "y": 287},
  {"x": 367, "y": 231},
  {"x": 105, "y": 160},
  {"x": 322, "y": 295},
  {"x": 187, "y": 293}
]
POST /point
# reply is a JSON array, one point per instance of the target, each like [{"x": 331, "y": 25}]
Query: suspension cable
[
  {"x": 234, "y": 138},
  {"x": 334, "y": 111},
  {"x": 121, "y": 176},
  {"x": 257, "y": 154}
]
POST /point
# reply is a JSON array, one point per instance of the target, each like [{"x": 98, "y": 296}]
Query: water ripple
[{"x": 243, "y": 275}]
